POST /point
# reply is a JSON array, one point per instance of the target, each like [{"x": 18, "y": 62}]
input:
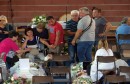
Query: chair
[
  {"x": 42, "y": 79},
  {"x": 115, "y": 79},
  {"x": 105, "y": 59},
  {"x": 59, "y": 71},
  {"x": 61, "y": 59},
  {"x": 126, "y": 70},
  {"x": 124, "y": 49}
]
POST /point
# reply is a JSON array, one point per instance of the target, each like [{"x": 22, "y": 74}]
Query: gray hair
[
  {"x": 85, "y": 10},
  {"x": 74, "y": 11},
  {"x": 124, "y": 20}
]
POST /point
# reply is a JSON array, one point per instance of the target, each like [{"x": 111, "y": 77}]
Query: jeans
[
  {"x": 84, "y": 49},
  {"x": 72, "y": 52}
]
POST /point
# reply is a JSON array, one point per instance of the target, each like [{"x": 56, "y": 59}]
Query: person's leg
[
  {"x": 30, "y": 56},
  {"x": 81, "y": 51},
  {"x": 75, "y": 53},
  {"x": 88, "y": 50},
  {"x": 41, "y": 56},
  {"x": 71, "y": 52}
]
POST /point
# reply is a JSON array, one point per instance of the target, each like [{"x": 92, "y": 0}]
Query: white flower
[
  {"x": 40, "y": 17},
  {"x": 34, "y": 19},
  {"x": 12, "y": 78}
]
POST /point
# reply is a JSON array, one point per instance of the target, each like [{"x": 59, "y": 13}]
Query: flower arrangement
[
  {"x": 79, "y": 76},
  {"x": 39, "y": 19},
  {"x": 82, "y": 80},
  {"x": 17, "y": 80}
]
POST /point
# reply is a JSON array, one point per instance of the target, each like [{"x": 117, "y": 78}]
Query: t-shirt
[
  {"x": 43, "y": 34},
  {"x": 88, "y": 35},
  {"x": 52, "y": 30},
  {"x": 123, "y": 29},
  {"x": 72, "y": 26},
  {"x": 100, "y": 27},
  {"x": 32, "y": 43},
  {"x": 6, "y": 45}
]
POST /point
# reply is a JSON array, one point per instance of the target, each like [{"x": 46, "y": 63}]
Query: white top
[
  {"x": 121, "y": 62},
  {"x": 93, "y": 71}
]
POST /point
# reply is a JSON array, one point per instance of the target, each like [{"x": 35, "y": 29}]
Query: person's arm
[
  {"x": 77, "y": 35},
  {"x": 44, "y": 42},
  {"x": 57, "y": 38},
  {"x": 25, "y": 42},
  {"x": 108, "y": 27},
  {"x": 70, "y": 32}
]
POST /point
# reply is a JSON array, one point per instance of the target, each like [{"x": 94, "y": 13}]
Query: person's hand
[
  {"x": 27, "y": 38},
  {"x": 28, "y": 49},
  {"x": 49, "y": 56},
  {"x": 1, "y": 31},
  {"x": 73, "y": 42},
  {"x": 6, "y": 32},
  {"x": 52, "y": 46},
  {"x": 101, "y": 34}
]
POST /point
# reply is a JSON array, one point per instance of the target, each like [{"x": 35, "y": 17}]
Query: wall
[{"x": 25, "y": 10}]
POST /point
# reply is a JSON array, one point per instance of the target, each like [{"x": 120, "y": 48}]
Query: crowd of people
[{"x": 83, "y": 33}]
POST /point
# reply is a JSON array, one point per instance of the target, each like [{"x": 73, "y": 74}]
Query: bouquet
[
  {"x": 17, "y": 80},
  {"x": 82, "y": 80},
  {"x": 38, "y": 19}
]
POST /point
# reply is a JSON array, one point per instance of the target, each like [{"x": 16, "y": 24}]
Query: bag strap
[{"x": 87, "y": 27}]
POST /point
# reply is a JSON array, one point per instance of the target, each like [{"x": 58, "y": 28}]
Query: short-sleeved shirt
[
  {"x": 6, "y": 45},
  {"x": 88, "y": 35},
  {"x": 43, "y": 34},
  {"x": 32, "y": 43},
  {"x": 72, "y": 26},
  {"x": 7, "y": 27},
  {"x": 52, "y": 30},
  {"x": 100, "y": 26},
  {"x": 123, "y": 29}
]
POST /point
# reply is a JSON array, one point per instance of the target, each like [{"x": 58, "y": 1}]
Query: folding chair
[
  {"x": 124, "y": 48},
  {"x": 115, "y": 79},
  {"x": 125, "y": 70},
  {"x": 105, "y": 59},
  {"x": 57, "y": 73},
  {"x": 61, "y": 59},
  {"x": 42, "y": 79}
]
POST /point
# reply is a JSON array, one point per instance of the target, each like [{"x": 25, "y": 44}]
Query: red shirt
[
  {"x": 6, "y": 45},
  {"x": 53, "y": 29}
]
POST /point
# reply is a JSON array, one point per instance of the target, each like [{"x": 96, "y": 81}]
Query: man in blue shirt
[
  {"x": 71, "y": 27},
  {"x": 124, "y": 28}
]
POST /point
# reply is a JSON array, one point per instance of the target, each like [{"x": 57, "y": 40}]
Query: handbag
[{"x": 85, "y": 30}]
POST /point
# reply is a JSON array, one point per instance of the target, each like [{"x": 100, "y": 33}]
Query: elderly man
[
  {"x": 86, "y": 38},
  {"x": 71, "y": 27},
  {"x": 102, "y": 25},
  {"x": 124, "y": 28}
]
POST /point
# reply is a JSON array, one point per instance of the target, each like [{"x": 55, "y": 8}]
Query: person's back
[
  {"x": 124, "y": 28},
  {"x": 103, "y": 50}
]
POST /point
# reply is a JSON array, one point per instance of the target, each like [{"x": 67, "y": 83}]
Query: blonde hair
[
  {"x": 103, "y": 43},
  {"x": 2, "y": 17}
]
